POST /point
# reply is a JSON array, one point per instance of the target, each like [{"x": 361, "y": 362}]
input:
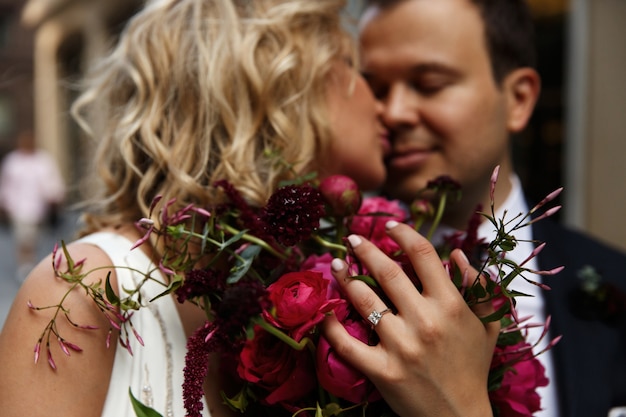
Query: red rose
[
  {"x": 300, "y": 302},
  {"x": 517, "y": 395},
  {"x": 321, "y": 263},
  {"x": 373, "y": 226},
  {"x": 269, "y": 363},
  {"x": 338, "y": 377}
]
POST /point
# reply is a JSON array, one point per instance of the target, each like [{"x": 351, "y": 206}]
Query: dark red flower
[
  {"x": 285, "y": 374},
  {"x": 196, "y": 363},
  {"x": 293, "y": 213},
  {"x": 300, "y": 302},
  {"x": 199, "y": 282}
]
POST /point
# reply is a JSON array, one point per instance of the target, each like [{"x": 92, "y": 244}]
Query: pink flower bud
[
  {"x": 422, "y": 208},
  {"x": 341, "y": 194},
  {"x": 494, "y": 180},
  {"x": 37, "y": 350}
]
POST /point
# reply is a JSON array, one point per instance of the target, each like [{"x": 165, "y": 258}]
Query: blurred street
[{"x": 9, "y": 283}]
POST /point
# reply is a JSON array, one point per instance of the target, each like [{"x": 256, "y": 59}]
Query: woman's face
[{"x": 360, "y": 141}]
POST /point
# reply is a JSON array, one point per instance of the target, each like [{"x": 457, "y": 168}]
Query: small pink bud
[
  {"x": 547, "y": 199},
  {"x": 108, "y": 339},
  {"x": 341, "y": 194},
  {"x": 552, "y": 271},
  {"x": 534, "y": 253},
  {"x": 494, "y": 180},
  {"x": 164, "y": 269},
  {"x": 422, "y": 208},
  {"x": 548, "y": 213},
  {"x": 72, "y": 346},
  {"x": 37, "y": 351},
  {"x": 51, "y": 361},
  {"x": 202, "y": 212},
  {"x": 139, "y": 339},
  {"x": 63, "y": 347},
  {"x": 143, "y": 239}
]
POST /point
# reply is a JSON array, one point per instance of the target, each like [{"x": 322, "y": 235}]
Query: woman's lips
[{"x": 385, "y": 144}]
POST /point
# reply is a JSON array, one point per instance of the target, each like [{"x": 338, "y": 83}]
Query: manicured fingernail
[
  {"x": 337, "y": 265},
  {"x": 354, "y": 240},
  {"x": 391, "y": 224}
]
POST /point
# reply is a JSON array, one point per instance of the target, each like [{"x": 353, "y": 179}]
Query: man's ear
[{"x": 522, "y": 87}]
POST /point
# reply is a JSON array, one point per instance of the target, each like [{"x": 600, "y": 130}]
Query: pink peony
[
  {"x": 517, "y": 395},
  {"x": 372, "y": 226},
  {"x": 338, "y": 377},
  {"x": 285, "y": 373},
  {"x": 300, "y": 302}
]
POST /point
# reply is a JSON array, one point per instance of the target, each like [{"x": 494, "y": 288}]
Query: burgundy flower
[
  {"x": 285, "y": 374},
  {"x": 199, "y": 282},
  {"x": 342, "y": 195},
  {"x": 293, "y": 213},
  {"x": 241, "y": 303},
  {"x": 196, "y": 363},
  {"x": 444, "y": 183},
  {"x": 248, "y": 215}
]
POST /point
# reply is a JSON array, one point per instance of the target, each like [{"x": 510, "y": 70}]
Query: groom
[{"x": 457, "y": 78}]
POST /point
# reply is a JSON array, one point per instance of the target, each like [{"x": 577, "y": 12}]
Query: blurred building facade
[{"x": 575, "y": 138}]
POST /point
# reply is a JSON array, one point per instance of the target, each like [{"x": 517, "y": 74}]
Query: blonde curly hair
[{"x": 199, "y": 90}]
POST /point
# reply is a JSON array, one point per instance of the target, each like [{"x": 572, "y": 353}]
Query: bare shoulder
[{"x": 75, "y": 346}]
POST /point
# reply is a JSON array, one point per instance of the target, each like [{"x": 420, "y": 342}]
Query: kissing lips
[{"x": 409, "y": 160}]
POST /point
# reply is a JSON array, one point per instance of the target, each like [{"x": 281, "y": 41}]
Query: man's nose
[{"x": 400, "y": 107}]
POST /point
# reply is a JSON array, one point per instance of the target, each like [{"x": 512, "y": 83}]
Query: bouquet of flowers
[{"x": 262, "y": 276}]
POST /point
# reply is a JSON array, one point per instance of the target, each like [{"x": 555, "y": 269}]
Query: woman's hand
[{"x": 434, "y": 353}]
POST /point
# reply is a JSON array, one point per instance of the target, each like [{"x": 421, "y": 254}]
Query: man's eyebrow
[
  {"x": 429, "y": 67},
  {"x": 420, "y": 69}
]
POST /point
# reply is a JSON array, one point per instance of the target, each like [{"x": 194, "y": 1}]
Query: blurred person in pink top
[{"x": 30, "y": 186}]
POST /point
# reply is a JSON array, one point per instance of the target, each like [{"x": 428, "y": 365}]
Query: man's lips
[{"x": 409, "y": 159}]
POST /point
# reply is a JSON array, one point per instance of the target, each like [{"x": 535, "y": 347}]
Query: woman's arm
[
  {"x": 80, "y": 382},
  {"x": 434, "y": 354}
]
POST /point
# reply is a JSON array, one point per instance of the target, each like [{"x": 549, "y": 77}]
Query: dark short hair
[{"x": 509, "y": 33}]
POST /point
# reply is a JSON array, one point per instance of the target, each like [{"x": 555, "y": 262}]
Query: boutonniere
[{"x": 597, "y": 299}]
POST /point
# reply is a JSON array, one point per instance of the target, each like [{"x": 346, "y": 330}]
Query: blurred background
[{"x": 575, "y": 139}]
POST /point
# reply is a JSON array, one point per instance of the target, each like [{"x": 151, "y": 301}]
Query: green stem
[
  {"x": 340, "y": 248},
  {"x": 256, "y": 241},
  {"x": 438, "y": 216},
  {"x": 282, "y": 336}
]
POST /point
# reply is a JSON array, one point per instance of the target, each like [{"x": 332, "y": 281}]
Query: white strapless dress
[{"x": 154, "y": 373}]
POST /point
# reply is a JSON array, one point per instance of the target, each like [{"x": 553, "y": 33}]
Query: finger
[
  {"x": 424, "y": 258},
  {"x": 366, "y": 302},
  {"x": 469, "y": 273},
  {"x": 389, "y": 275},
  {"x": 352, "y": 350}
]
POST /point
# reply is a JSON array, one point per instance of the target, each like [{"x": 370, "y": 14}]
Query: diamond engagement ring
[{"x": 375, "y": 316}]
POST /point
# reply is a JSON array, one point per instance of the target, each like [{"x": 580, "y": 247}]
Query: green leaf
[
  {"x": 142, "y": 410},
  {"x": 243, "y": 263},
  {"x": 239, "y": 402},
  {"x": 497, "y": 315},
  {"x": 111, "y": 296},
  {"x": 366, "y": 279}
]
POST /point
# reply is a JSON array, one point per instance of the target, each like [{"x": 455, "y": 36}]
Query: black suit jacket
[{"x": 590, "y": 360}]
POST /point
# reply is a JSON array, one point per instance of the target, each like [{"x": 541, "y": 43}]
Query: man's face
[{"x": 427, "y": 61}]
